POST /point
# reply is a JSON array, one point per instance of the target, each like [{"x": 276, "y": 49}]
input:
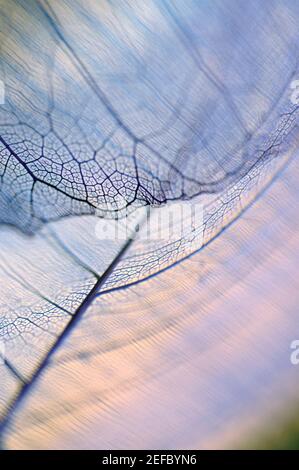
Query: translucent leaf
[{"x": 110, "y": 108}]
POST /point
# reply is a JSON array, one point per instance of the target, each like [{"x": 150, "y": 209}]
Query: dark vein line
[
  {"x": 14, "y": 371},
  {"x": 74, "y": 320},
  {"x": 278, "y": 174},
  {"x": 15, "y": 276},
  {"x": 73, "y": 256},
  {"x": 56, "y": 27}
]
